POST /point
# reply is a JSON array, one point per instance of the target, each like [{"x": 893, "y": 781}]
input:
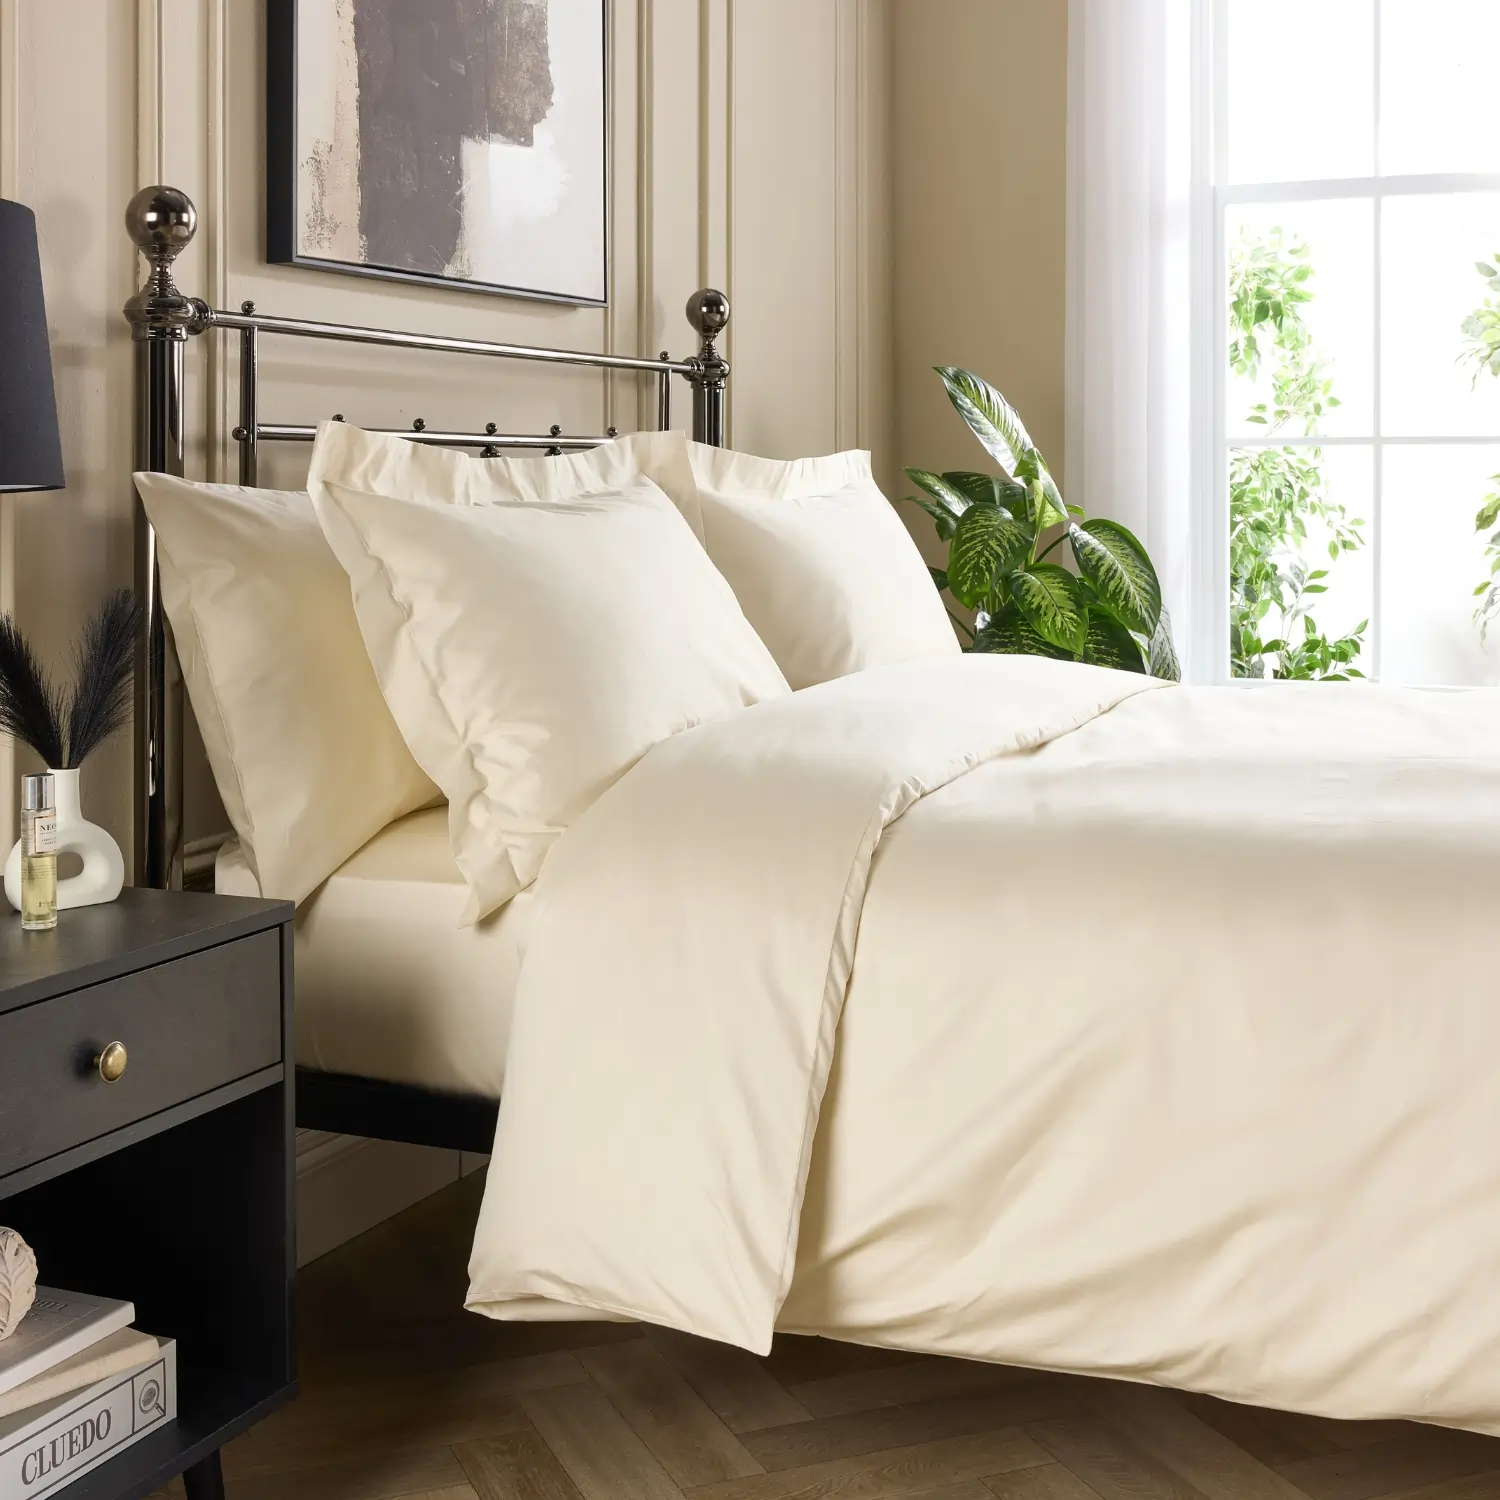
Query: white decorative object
[
  {"x": 103, "y": 870},
  {"x": 17, "y": 1281}
]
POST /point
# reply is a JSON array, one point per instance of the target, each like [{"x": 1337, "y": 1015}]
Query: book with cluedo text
[{"x": 46, "y": 1447}]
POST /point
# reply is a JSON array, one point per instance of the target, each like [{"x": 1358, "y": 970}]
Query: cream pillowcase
[
  {"x": 308, "y": 760},
  {"x": 820, "y": 562},
  {"x": 366, "y": 461},
  {"x": 532, "y": 650}
]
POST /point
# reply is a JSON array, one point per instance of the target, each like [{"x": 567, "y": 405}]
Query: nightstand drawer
[{"x": 187, "y": 1027}]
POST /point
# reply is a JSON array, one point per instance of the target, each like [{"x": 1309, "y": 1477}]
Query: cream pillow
[
  {"x": 308, "y": 761},
  {"x": 365, "y": 461},
  {"x": 532, "y": 650},
  {"x": 820, "y": 562}
]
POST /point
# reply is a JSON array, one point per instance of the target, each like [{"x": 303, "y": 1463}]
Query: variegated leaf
[
  {"x": 1117, "y": 567},
  {"x": 991, "y": 418},
  {"x": 988, "y": 543},
  {"x": 1053, "y": 601},
  {"x": 1010, "y": 633},
  {"x": 977, "y": 488},
  {"x": 1163, "y": 661},
  {"x": 952, "y": 500},
  {"x": 1109, "y": 644}
]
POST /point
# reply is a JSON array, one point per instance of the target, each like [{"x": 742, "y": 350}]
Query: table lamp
[{"x": 30, "y": 449}]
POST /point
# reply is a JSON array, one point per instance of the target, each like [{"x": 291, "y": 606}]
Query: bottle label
[{"x": 41, "y": 834}]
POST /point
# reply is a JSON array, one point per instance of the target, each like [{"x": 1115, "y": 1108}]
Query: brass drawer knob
[{"x": 111, "y": 1062}]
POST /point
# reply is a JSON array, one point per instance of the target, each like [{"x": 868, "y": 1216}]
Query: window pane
[
  {"x": 1431, "y": 285},
  {"x": 1301, "y": 89},
  {"x": 1330, "y": 492},
  {"x": 1431, "y": 559},
  {"x": 1438, "y": 86},
  {"x": 1327, "y": 340}
]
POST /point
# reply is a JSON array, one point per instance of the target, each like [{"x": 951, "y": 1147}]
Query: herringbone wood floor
[{"x": 405, "y": 1394}]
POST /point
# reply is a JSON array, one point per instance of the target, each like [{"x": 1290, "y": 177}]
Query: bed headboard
[{"x": 162, "y": 221}]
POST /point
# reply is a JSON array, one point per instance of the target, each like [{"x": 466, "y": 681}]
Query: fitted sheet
[{"x": 388, "y": 984}]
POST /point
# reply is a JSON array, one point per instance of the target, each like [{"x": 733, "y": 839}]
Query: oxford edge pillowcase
[
  {"x": 382, "y": 465},
  {"x": 820, "y": 562},
  {"x": 309, "y": 762},
  {"x": 530, "y": 650}
]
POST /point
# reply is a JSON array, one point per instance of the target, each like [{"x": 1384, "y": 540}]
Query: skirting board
[{"x": 346, "y": 1185}]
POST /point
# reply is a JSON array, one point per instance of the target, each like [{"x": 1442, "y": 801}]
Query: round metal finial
[
  {"x": 419, "y": 425},
  {"x": 708, "y": 313},
  {"x": 491, "y": 428},
  {"x": 161, "y": 221}
]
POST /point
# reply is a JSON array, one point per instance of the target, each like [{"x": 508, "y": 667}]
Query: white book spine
[{"x": 64, "y": 1439}]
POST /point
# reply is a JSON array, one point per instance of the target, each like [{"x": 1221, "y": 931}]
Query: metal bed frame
[{"x": 162, "y": 221}]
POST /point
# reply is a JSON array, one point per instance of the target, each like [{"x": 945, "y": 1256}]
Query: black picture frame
[{"x": 281, "y": 175}]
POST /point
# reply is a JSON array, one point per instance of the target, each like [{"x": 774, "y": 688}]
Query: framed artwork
[{"x": 458, "y": 142}]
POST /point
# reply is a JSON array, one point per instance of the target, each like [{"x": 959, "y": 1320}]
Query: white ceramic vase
[{"x": 103, "y": 871}]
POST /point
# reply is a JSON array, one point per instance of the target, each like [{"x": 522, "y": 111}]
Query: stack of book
[{"x": 77, "y": 1384}]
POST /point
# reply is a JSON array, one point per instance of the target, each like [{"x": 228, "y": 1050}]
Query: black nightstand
[{"x": 172, "y": 1186}]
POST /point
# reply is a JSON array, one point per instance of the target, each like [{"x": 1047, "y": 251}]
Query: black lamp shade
[{"x": 30, "y": 450}]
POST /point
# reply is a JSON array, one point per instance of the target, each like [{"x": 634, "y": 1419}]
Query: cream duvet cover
[{"x": 1032, "y": 1013}]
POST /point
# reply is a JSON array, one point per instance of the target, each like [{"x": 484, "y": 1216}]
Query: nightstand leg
[{"x": 205, "y": 1480}]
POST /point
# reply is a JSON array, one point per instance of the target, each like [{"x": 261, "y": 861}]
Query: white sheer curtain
[{"x": 1138, "y": 170}]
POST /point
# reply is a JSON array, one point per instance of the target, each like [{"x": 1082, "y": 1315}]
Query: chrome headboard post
[
  {"x": 161, "y": 221},
  {"x": 664, "y": 396},
  {"x": 708, "y": 312},
  {"x": 247, "y": 434}
]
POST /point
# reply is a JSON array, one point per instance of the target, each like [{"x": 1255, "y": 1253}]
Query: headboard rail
[{"x": 162, "y": 221}]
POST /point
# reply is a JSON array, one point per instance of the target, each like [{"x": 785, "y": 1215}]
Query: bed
[
  {"x": 991, "y": 1006},
  {"x": 419, "y": 1104}
]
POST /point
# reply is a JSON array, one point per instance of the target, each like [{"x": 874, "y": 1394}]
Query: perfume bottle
[{"x": 38, "y": 853}]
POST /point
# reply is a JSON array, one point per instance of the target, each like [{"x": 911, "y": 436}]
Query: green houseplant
[
  {"x": 1277, "y": 493},
  {"x": 1002, "y": 529}
]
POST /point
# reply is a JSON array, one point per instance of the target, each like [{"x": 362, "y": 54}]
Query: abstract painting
[{"x": 454, "y": 141}]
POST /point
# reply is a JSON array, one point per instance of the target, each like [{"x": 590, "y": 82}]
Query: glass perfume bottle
[{"x": 38, "y": 853}]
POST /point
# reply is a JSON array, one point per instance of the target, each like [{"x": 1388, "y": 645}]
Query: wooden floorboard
[{"x": 407, "y": 1397}]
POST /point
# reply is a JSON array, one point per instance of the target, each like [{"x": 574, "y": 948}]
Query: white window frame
[{"x": 1211, "y": 351}]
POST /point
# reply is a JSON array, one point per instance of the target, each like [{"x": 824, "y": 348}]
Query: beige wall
[
  {"x": 980, "y": 216},
  {"x": 750, "y": 152}
]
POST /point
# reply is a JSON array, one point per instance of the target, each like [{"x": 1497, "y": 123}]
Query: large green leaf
[
  {"x": 1009, "y": 633},
  {"x": 954, "y": 501},
  {"x": 992, "y": 419},
  {"x": 1162, "y": 657},
  {"x": 1044, "y": 503},
  {"x": 1109, "y": 644},
  {"x": 997, "y": 424},
  {"x": 943, "y": 518},
  {"x": 1054, "y": 603},
  {"x": 977, "y": 488},
  {"x": 1117, "y": 566},
  {"x": 989, "y": 542}
]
